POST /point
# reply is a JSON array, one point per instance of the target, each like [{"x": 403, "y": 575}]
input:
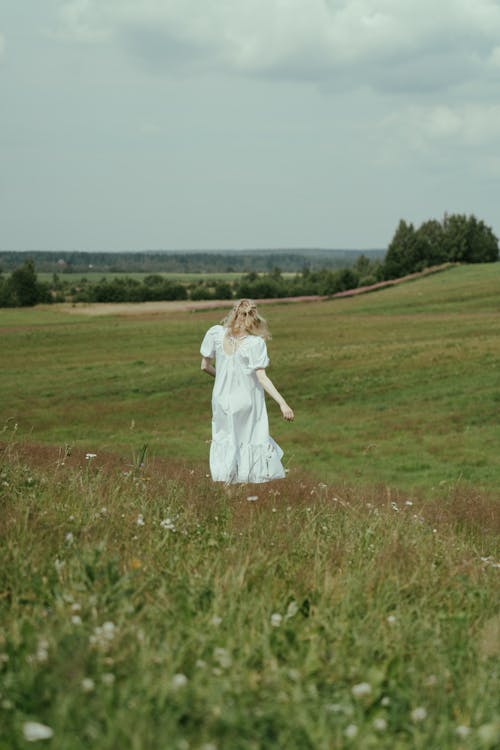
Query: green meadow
[
  {"x": 352, "y": 605},
  {"x": 400, "y": 386}
]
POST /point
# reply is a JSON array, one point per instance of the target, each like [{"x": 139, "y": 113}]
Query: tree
[
  {"x": 23, "y": 285},
  {"x": 405, "y": 252},
  {"x": 468, "y": 240},
  {"x": 431, "y": 238}
]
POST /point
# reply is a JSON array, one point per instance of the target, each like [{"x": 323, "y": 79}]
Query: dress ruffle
[{"x": 232, "y": 464}]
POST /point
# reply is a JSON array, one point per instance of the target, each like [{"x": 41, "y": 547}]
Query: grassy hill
[
  {"x": 145, "y": 607},
  {"x": 400, "y": 386}
]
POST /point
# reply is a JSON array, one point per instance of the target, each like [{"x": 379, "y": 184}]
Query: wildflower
[
  {"x": 223, "y": 657},
  {"x": 431, "y": 680},
  {"x": 103, "y": 634},
  {"x": 391, "y": 619},
  {"x": 351, "y": 731},
  {"x": 59, "y": 564},
  {"x": 140, "y": 520},
  {"x": 33, "y": 731},
  {"x": 104, "y": 510},
  {"x": 76, "y": 619},
  {"x": 179, "y": 681},
  {"x": 252, "y": 498},
  {"x": 361, "y": 689},
  {"x": 419, "y": 713},
  {"x": 216, "y": 620},
  {"x": 379, "y": 723},
  {"x": 107, "y": 678},
  {"x": 42, "y": 652},
  {"x": 386, "y": 701},
  {"x": 90, "y": 456},
  {"x": 88, "y": 684},
  {"x": 167, "y": 523},
  {"x": 394, "y": 506},
  {"x": 488, "y": 734},
  {"x": 135, "y": 563},
  {"x": 291, "y": 610},
  {"x": 276, "y": 619},
  {"x": 75, "y": 607},
  {"x": 408, "y": 502},
  {"x": 69, "y": 537},
  {"x": 462, "y": 731}
]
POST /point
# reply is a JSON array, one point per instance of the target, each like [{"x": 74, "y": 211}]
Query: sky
[{"x": 232, "y": 124}]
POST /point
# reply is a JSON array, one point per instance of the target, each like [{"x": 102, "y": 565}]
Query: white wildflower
[
  {"x": 216, "y": 620},
  {"x": 76, "y": 619},
  {"x": 179, "y": 681},
  {"x": 351, "y": 731},
  {"x": 167, "y": 523},
  {"x": 88, "y": 684},
  {"x": 33, "y": 731},
  {"x": 252, "y": 498},
  {"x": 394, "y": 506},
  {"x": 291, "y": 610},
  {"x": 386, "y": 701},
  {"x": 379, "y": 723},
  {"x": 419, "y": 713},
  {"x": 462, "y": 731},
  {"x": 107, "y": 678},
  {"x": 69, "y": 537},
  {"x": 140, "y": 520},
  {"x": 408, "y": 502},
  {"x": 42, "y": 652},
  {"x": 223, "y": 657},
  {"x": 361, "y": 689},
  {"x": 90, "y": 456},
  {"x": 276, "y": 619},
  {"x": 391, "y": 619}
]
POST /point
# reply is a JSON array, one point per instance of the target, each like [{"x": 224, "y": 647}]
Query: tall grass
[{"x": 146, "y": 607}]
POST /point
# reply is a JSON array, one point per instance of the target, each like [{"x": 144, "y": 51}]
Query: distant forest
[
  {"x": 240, "y": 261},
  {"x": 456, "y": 238}
]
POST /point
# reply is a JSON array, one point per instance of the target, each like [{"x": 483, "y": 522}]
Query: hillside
[{"x": 398, "y": 386}]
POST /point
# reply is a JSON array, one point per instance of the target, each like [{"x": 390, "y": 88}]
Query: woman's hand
[{"x": 287, "y": 412}]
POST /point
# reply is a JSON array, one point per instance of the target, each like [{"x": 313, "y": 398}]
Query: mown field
[{"x": 353, "y": 604}]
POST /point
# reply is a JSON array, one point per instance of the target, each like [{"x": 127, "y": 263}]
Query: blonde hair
[{"x": 245, "y": 318}]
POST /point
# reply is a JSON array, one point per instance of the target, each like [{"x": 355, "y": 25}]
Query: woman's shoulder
[{"x": 216, "y": 329}]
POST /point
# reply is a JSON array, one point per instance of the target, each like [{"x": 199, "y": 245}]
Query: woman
[{"x": 241, "y": 449}]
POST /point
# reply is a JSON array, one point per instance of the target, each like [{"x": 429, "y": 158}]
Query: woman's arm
[
  {"x": 207, "y": 366},
  {"x": 268, "y": 386}
]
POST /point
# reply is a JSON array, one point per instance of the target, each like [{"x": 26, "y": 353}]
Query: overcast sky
[{"x": 177, "y": 124}]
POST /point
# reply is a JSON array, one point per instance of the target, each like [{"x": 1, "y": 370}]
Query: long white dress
[{"x": 241, "y": 449}]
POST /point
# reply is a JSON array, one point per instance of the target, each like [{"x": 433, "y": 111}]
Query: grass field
[
  {"x": 95, "y": 276},
  {"x": 352, "y": 605},
  {"x": 399, "y": 387}
]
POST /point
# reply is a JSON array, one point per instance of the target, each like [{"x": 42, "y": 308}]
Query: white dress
[{"x": 242, "y": 449}]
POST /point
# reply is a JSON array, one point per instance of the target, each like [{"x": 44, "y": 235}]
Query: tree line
[{"x": 455, "y": 239}]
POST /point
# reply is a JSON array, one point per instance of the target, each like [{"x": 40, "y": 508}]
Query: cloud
[
  {"x": 387, "y": 44},
  {"x": 470, "y": 130}
]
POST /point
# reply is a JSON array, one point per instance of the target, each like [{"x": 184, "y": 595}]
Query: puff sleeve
[
  {"x": 207, "y": 348},
  {"x": 257, "y": 355}
]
